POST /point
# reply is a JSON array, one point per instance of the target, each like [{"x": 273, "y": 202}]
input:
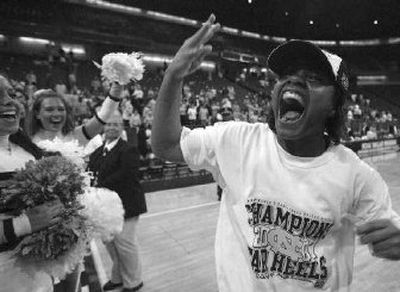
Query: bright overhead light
[
  {"x": 372, "y": 77},
  {"x": 230, "y": 30},
  {"x": 286, "y": 13},
  {"x": 251, "y": 34},
  {"x": 370, "y": 42},
  {"x": 323, "y": 42},
  {"x": 394, "y": 41},
  {"x": 206, "y": 65},
  {"x": 278, "y": 39},
  {"x": 311, "y": 22},
  {"x": 34, "y": 40},
  {"x": 375, "y": 21},
  {"x": 76, "y": 49},
  {"x": 337, "y": 25},
  {"x": 249, "y": 1}
]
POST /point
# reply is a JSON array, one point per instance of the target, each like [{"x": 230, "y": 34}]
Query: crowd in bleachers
[
  {"x": 365, "y": 122},
  {"x": 207, "y": 98}
]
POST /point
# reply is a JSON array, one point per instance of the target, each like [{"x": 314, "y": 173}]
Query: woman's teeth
[
  {"x": 291, "y": 107},
  {"x": 8, "y": 115},
  {"x": 293, "y": 95}
]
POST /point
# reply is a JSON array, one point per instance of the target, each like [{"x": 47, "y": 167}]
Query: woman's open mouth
[
  {"x": 291, "y": 107},
  {"x": 56, "y": 121},
  {"x": 10, "y": 115}
]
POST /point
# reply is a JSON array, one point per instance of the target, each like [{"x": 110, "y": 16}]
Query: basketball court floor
[{"x": 177, "y": 240}]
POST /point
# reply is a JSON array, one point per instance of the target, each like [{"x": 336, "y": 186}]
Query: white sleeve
[
  {"x": 199, "y": 147},
  {"x": 373, "y": 199}
]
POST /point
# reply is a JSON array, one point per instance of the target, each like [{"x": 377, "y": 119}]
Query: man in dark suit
[{"x": 115, "y": 166}]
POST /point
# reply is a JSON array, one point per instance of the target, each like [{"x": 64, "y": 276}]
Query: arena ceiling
[{"x": 307, "y": 19}]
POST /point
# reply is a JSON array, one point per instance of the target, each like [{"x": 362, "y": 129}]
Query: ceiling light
[
  {"x": 286, "y": 13},
  {"x": 34, "y": 40},
  {"x": 375, "y": 21},
  {"x": 337, "y": 25},
  {"x": 311, "y": 22}
]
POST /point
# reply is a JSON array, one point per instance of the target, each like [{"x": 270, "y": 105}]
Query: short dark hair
[
  {"x": 35, "y": 124},
  {"x": 334, "y": 125}
]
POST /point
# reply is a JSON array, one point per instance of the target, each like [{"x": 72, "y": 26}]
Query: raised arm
[
  {"x": 109, "y": 106},
  {"x": 166, "y": 127}
]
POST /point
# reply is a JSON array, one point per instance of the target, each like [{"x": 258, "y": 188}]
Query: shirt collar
[{"x": 111, "y": 145}]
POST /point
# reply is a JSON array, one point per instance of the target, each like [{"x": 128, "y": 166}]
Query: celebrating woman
[
  {"x": 52, "y": 117},
  {"x": 15, "y": 150}
]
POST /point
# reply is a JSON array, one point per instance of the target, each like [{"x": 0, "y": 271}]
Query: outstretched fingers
[{"x": 205, "y": 33}]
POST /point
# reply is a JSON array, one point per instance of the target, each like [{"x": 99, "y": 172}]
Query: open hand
[
  {"x": 193, "y": 51},
  {"x": 384, "y": 237},
  {"x": 44, "y": 215}
]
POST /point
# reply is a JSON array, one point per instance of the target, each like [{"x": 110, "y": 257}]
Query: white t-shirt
[{"x": 286, "y": 223}]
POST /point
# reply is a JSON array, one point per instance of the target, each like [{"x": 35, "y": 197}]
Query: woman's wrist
[
  {"x": 116, "y": 99},
  {"x": 172, "y": 76},
  {"x": 108, "y": 107}
]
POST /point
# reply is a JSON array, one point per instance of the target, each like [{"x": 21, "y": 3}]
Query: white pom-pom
[
  {"x": 69, "y": 149},
  {"x": 104, "y": 210},
  {"x": 121, "y": 67}
]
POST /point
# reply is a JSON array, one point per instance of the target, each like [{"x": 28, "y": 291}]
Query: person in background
[
  {"x": 51, "y": 117},
  {"x": 115, "y": 166}
]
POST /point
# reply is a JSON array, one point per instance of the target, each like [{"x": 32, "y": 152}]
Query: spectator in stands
[
  {"x": 138, "y": 94},
  {"x": 151, "y": 103},
  {"x": 183, "y": 111},
  {"x": 227, "y": 114},
  {"x": 127, "y": 111},
  {"x": 192, "y": 114},
  {"x": 51, "y": 117},
  {"x": 204, "y": 115},
  {"x": 31, "y": 78},
  {"x": 349, "y": 114},
  {"x": 135, "y": 120},
  {"x": 357, "y": 112},
  {"x": 280, "y": 177},
  {"x": 383, "y": 117},
  {"x": 147, "y": 115},
  {"x": 96, "y": 85},
  {"x": 389, "y": 117},
  {"x": 226, "y": 103},
  {"x": 81, "y": 110}
]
